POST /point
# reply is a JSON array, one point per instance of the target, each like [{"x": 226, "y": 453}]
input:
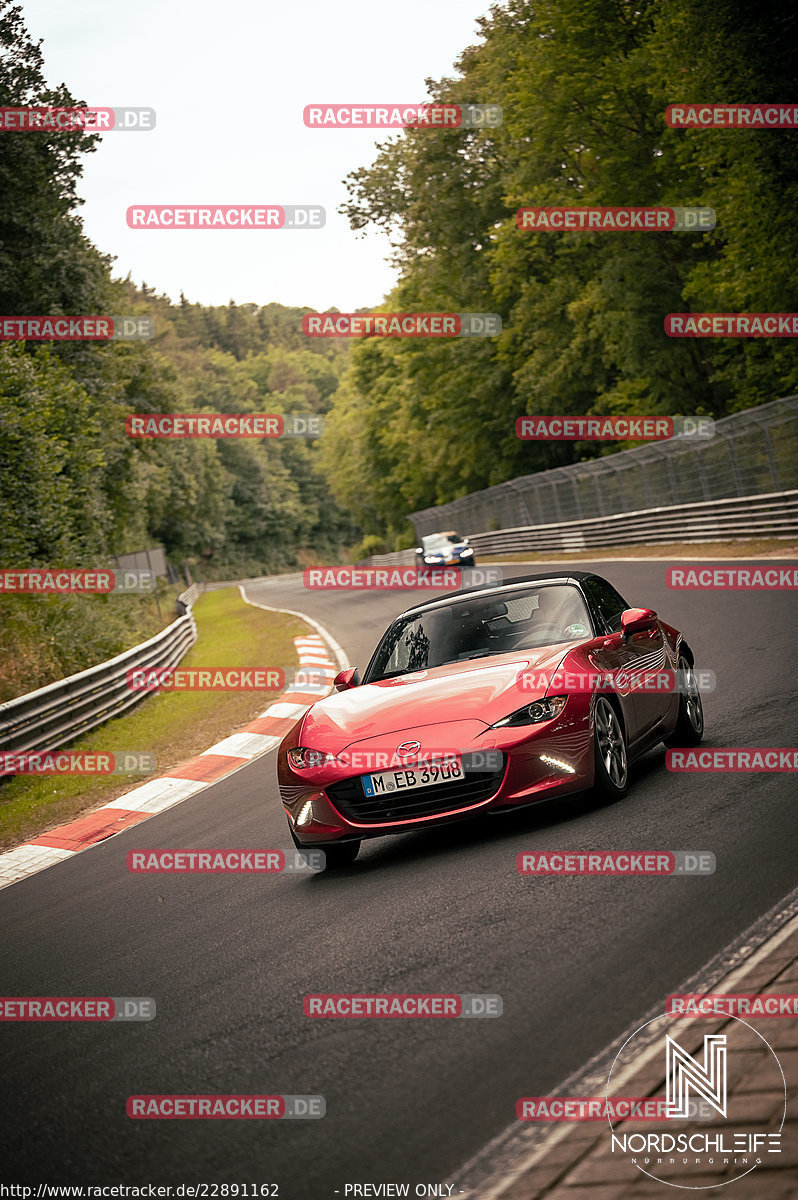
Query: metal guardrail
[
  {"x": 55, "y": 715},
  {"x": 774, "y": 514},
  {"x": 187, "y": 599}
]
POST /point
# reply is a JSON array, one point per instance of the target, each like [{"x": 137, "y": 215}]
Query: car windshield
[
  {"x": 476, "y": 627},
  {"x": 440, "y": 541}
]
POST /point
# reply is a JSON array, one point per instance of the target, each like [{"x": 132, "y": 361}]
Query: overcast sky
[{"x": 229, "y": 82}]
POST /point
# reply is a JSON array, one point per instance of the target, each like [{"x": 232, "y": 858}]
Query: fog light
[
  {"x": 305, "y": 814},
  {"x": 557, "y": 762}
]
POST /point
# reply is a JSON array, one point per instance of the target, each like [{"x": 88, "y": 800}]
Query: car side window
[{"x": 607, "y": 603}]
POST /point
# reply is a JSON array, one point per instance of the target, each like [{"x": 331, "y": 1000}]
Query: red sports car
[{"x": 487, "y": 699}]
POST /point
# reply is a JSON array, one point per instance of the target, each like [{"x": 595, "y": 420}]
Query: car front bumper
[{"x": 537, "y": 763}]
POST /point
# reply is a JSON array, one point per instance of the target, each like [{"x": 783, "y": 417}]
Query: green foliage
[
  {"x": 371, "y": 544},
  {"x": 44, "y": 638},
  {"x": 584, "y": 86},
  {"x": 75, "y": 489},
  {"x": 410, "y": 424},
  {"x": 46, "y": 264}
]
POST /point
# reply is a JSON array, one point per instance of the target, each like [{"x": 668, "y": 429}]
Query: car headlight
[
  {"x": 531, "y": 714},
  {"x": 303, "y": 759},
  {"x": 433, "y": 558},
  {"x": 465, "y": 553}
]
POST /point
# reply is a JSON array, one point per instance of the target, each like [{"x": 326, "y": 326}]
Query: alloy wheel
[{"x": 610, "y": 743}]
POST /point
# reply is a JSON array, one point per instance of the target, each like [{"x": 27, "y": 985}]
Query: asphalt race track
[{"x": 228, "y": 959}]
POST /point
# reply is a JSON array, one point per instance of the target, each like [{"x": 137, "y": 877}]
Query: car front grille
[{"x": 349, "y": 799}]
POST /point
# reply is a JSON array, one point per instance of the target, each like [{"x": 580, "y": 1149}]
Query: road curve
[{"x": 229, "y": 958}]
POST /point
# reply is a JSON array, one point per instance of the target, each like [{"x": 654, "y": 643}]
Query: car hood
[{"x": 484, "y": 690}]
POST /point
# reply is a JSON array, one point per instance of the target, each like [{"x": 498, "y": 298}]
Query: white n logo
[{"x": 684, "y": 1075}]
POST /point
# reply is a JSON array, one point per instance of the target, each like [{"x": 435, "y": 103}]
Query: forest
[
  {"x": 584, "y": 86},
  {"x": 409, "y": 422}
]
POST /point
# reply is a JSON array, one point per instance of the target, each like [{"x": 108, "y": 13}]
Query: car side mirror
[
  {"x": 346, "y": 679},
  {"x": 418, "y": 550},
  {"x": 637, "y": 620}
]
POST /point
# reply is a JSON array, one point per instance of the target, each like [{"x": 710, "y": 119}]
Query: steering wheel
[{"x": 538, "y": 635}]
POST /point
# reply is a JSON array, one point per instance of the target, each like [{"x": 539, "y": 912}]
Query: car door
[
  {"x": 641, "y": 654},
  {"x": 648, "y": 657}
]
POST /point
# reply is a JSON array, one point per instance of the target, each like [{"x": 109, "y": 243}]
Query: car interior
[
  {"x": 540, "y": 617},
  {"x": 549, "y": 615}
]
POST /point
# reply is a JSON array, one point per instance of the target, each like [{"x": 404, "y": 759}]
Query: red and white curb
[{"x": 259, "y": 737}]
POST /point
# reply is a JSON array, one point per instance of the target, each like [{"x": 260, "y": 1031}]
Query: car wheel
[
  {"x": 609, "y": 749},
  {"x": 335, "y": 856},
  {"x": 689, "y": 728}
]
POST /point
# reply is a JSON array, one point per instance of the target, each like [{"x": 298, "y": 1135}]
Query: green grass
[{"x": 173, "y": 726}]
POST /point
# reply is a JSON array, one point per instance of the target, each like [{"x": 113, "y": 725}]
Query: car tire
[
  {"x": 689, "y": 728},
  {"x": 335, "y": 856},
  {"x": 611, "y": 773}
]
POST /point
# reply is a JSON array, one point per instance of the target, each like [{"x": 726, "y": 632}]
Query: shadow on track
[{"x": 405, "y": 850}]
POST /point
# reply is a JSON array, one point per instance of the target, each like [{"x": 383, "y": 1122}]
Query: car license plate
[{"x": 407, "y": 778}]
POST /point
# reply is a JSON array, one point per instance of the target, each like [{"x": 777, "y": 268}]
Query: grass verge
[{"x": 173, "y": 726}]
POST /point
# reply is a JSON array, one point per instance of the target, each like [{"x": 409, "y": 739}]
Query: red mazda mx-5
[{"x": 488, "y": 699}]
